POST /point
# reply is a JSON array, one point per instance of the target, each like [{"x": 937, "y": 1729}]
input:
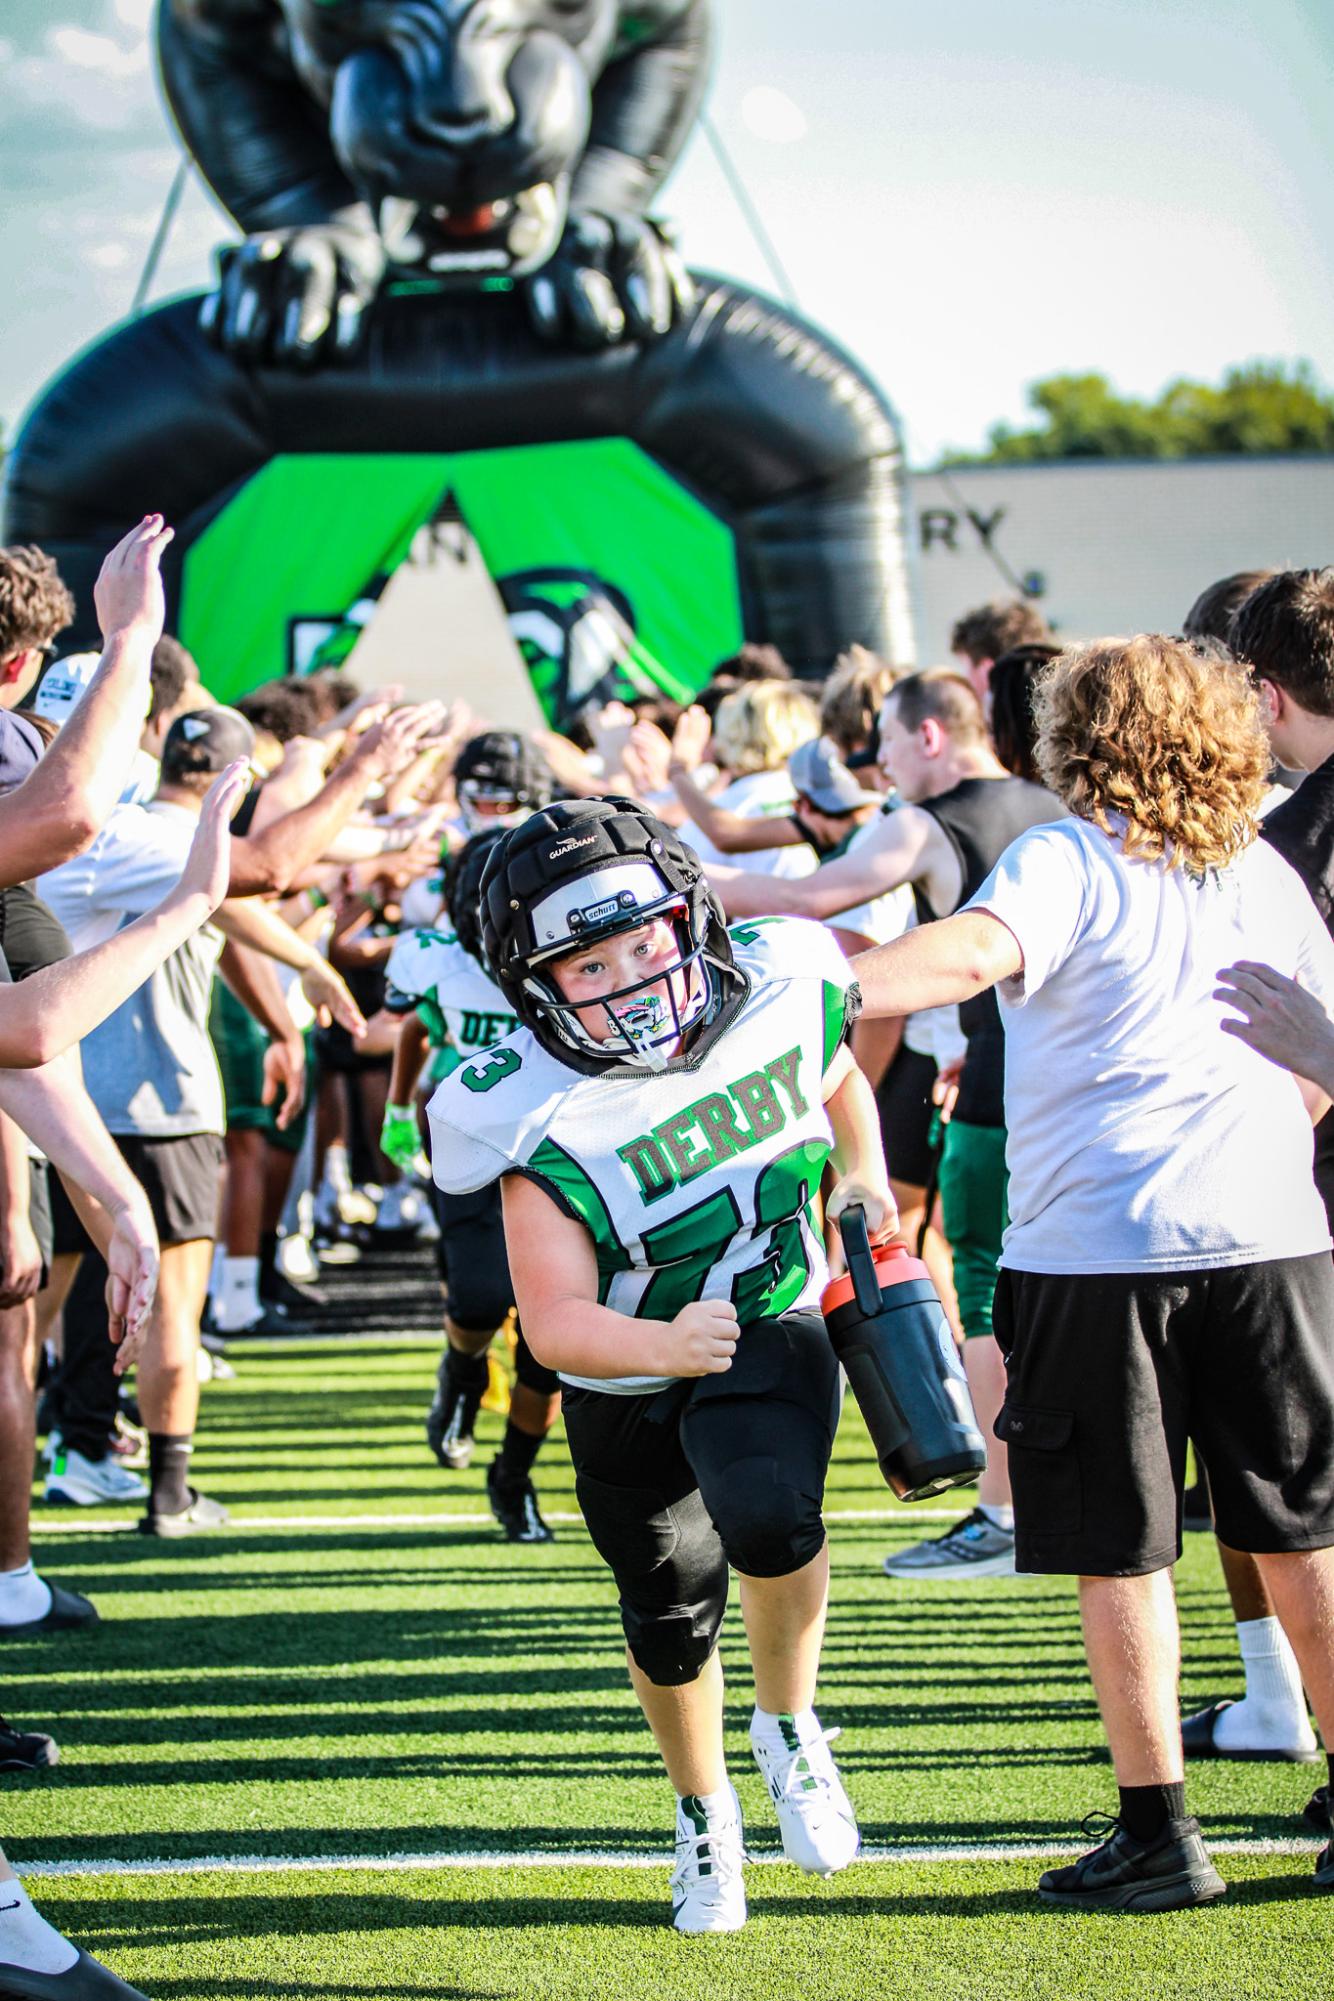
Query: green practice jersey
[{"x": 696, "y": 1183}]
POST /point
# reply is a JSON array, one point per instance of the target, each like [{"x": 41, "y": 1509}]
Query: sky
[{"x": 968, "y": 196}]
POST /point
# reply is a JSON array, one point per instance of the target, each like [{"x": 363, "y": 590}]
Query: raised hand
[
  {"x": 327, "y": 992},
  {"x": 391, "y": 744},
  {"x": 208, "y": 864},
  {"x": 690, "y": 739},
  {"x": 128, "y": 593}
]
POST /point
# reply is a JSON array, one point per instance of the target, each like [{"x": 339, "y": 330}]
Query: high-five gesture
[
  {"x": 128, "y": 592},
  {"x": 208, "y": 864}
]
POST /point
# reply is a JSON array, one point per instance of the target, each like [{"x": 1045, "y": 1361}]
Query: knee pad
[
  {"x": 670, "y": 1572},
  {"x": 769, "y": 1526},
  {"x": 532, "y": 1373}
]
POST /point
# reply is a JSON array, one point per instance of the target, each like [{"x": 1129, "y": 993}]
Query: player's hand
[
  {"x": 400, "y": 1141},
  {"x": 704, "y": 1338},
  {"x": 128, "y": 592},
  {"x": 132, "y": 1260},
  {"x": 852, "y": 1191},
  {"x": 284, "y": 1073},
  {"x": 945, "y": 1090},
  {"x": 208, "y": 865},
  {"x": 327, "y": 991}
]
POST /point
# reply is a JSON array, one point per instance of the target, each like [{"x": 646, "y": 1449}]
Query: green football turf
[{"x": 356, "y": 1690}]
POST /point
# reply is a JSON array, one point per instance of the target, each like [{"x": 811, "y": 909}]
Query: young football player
[
  {"x": 452, "y": 1006},
  {"x": 660, "y": 1125}
]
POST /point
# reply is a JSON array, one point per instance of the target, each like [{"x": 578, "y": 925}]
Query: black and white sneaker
[
  {"x": 514, "y": 1506},
  {"x": 452, "y": 1418},
  {"x": 1168, "y": 1873},
  {"x": 26, "y": 1750}
]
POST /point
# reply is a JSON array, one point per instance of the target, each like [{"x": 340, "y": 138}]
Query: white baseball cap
[{"x": 62, "y": 684}]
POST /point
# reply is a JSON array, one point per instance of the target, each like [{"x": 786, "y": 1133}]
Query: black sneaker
[
  {"x": 26, "y": 1750},
  {"x": 452, "y": 1418},
  {"x": 298, "y": 1302},
  {"x": 514, "y": 1506},
  {"x": 67, "y": 1611},
  {"x": 86, "y": 1980},
  {"x": 196, "y": 1518},
  {"x": 1166, "y": 1874},
  {"x": 1315, "y": 1814}
]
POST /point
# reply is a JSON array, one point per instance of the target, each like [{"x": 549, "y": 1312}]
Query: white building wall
[{"x": 1119, "y": 546}]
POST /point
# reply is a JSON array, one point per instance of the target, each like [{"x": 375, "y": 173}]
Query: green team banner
[{"x": 615, "y": 579}]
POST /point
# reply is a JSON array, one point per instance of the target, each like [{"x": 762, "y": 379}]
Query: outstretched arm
[
  {"x": 938, "y": 964},
  {"x": 55, "y": 813},
  {"x": 899, "y": 853},
  {"x": 53, "y": 1008}
]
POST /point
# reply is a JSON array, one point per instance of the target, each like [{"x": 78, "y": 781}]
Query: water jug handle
[{"x": 861, "y": 1265}]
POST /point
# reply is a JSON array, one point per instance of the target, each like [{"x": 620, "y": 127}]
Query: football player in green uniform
[
  {"x": 436, "y": 978},
  {"x": 660, "y": 1126}
]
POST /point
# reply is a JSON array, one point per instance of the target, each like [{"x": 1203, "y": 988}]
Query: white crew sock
[
  {"x": 236, "y": 1303},
  {"x": 697, "y": 1811},
  {"x": 336, "y": 1177},
  {"x": 215, "y": 1271},
  {"x": 999, "y": 1516},
  {"x": 26, "y": 1939},
  {"x": 777, "y": 1727},
  {"x": 23, "y": 1595},
  {"x": 1272, "y": 1715}
]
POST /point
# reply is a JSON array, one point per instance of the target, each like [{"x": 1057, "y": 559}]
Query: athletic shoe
[
  {"x": 86, "y": 1980},
  {"x": 298, "y": 1302},
  {"x": 451, "y": 1418},
  {"x": 90, "y": 1483},
  {"x": 515, "y": 1508},
  {"x": 403, "y": 1208},
  {"x": 974, "y": 1547},
  {"x": 815, "y": 1816},
  {"x": 198, "y": 1516},
  {"x": 26, "y": 1750},
  {"x": 67, "y": 1611},
  {"x": 295, "y": 1261},
  {"x": 1197, "y": 1741},
  {"x": 1166, "y": 1874},
  {"x": 1316, "y": 1812},
  {"x": 269, "y": 1322},
  {"x": 708, "y": 1891}
]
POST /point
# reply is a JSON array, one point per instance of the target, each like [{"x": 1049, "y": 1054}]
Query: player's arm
[
  {"x": 57, "y": 811},
  {"x": 554, "y": 1268},
  {"x": 937, "y": 964},
  {"x": 400, "y": 1136},
  {"x": 859, "y": 1153},
  {"x": 900, "y": 853}
]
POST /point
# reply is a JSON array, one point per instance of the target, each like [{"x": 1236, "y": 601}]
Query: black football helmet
[
  {"x": 462, "y": 888},
  {"x": 576, "y": 873},
  {"x": 504, "y": 770}
]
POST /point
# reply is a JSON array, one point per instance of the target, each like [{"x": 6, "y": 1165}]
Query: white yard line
[
  {"x": 46, "y": 1525},
  {"x": 500, "y": 1859}
]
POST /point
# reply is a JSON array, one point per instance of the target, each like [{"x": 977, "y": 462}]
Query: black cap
[{"x": 206, "y": 740}]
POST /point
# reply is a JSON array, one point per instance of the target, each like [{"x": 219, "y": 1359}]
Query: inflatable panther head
[{"x": 511, "y": 140}]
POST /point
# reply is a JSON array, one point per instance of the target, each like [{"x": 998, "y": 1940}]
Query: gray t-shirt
[{"x": 150, "y": 1068}]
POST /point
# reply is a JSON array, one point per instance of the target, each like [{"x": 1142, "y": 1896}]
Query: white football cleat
[
  {"x": 815, "y": 1816},
  {"x": 708, "y": 1893}
]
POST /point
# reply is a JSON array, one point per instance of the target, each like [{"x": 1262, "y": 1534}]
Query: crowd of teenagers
[{"x": 1027, "y": 956}]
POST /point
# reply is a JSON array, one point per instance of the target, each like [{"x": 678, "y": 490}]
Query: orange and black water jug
[{"x": 890, "y": 1333}]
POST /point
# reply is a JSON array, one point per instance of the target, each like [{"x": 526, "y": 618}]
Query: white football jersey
[
  {"x": 694, "y": 1184},
  {"x": 452, "y": 994}
]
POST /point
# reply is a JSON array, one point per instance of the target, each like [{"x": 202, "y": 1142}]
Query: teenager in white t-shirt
[{"x": 1167, "y": 1267}]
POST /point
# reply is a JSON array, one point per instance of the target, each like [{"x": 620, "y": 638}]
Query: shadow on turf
[{"x": 294, "y": 1990}]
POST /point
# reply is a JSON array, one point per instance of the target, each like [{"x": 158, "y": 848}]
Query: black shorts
[
  {"x": 39, "y": 1212},
  {"x": 722, "y": 1469},
  {"x": 1109, "y": 1373},
  {"x": 180, "y": 1179},
  {"x": 903, "y": 1100}
]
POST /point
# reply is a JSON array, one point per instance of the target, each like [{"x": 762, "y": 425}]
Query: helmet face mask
[
  {"x": 499, "y": 779},
  {"x": 644, "y": 1024},
  {"x": 577, "y": 875}
]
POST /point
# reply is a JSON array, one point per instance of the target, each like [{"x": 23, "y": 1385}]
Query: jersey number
[
  {"x": 489, "y": 1070},
  {"x": 688, "y": 1247}
]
